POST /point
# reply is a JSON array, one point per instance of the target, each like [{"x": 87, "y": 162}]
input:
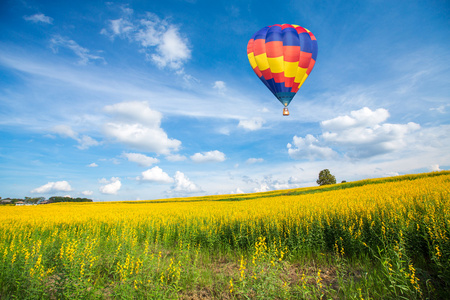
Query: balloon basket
[{"x": 285, "y": 111}]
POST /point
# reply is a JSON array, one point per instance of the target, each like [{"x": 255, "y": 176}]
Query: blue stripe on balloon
[
  {"x": 290, "y": 37},
  {"x": 274, "y": 34},
  {"x": 269, "y": 84},
  {"x": 305, "y": 42},
  {"x": 261, "y": 34},
  {"x": 315, "y": 49}
]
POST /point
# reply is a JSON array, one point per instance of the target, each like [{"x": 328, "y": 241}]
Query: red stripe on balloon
[
  {"x": 278, "y": 77},
  {"x": 267, "y": 74},
  {"x": 257, "y": 71},
  {"x": 300, "y": 29},
  {"x": 286, "y": 26},
  {"x": 295, "y": 87}
]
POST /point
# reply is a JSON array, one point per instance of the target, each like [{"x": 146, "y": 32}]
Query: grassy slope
[{"x": 294, "y": 192}]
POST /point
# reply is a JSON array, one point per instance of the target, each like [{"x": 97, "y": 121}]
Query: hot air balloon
[{"x": 282, "y": 56}]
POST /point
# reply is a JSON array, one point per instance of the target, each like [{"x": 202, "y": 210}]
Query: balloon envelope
[{"x": 282, "y": 56}]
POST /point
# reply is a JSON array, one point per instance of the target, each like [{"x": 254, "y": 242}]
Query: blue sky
[{"x": 156, "y": 99}]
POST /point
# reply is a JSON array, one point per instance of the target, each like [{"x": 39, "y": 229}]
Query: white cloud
[
  {"x": 309, "y": 148},
  {"x": 252, "y": 124},
  {"x": 364, "y": 117},
  {"x": 110, "y": 187},
  {"x": 155, "y": 174},
  {"x": 254, "y": 160},
  {"x": 141, "y": 159},
  {"x": 83, "y": 54},
  {"x": 93, "y": 165},
  {"x": 86, "y": 141},
  {"x": 87, "y": 193},
  {"x": 210, "y": 156},
  {"x": 138, "y": 126},
  {"x": 119, "y": 27},
  {"x": 161, "y": 41},
  {"x": 57, "y": 186},
  {"x": 183, "y": 184},
  {"x": 39, "y": 17},
  {"x": 172, "y": 50},
  {"x": 361, "y": 134},
  {"x": 220, "y": 86},
  {"x": 66, "y": 131}
]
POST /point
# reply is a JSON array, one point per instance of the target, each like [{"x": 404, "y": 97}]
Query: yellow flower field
[{"x": 147, "y": 249}]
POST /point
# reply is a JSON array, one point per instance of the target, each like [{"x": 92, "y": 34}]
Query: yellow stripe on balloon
[
  {"x": 301, "y": 72},
  {"x": 290, "y": 69},
  {"x": 276, "y": 64},
  {"x": 303, "y": 80},
  {"x": 261, "y": 61},
  {"x": 251, "y": 59}
]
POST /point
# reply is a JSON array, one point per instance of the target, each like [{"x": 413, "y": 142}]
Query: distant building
[
  {"x": 6, "y": 201},
  {"x": 20, "y": 203}
]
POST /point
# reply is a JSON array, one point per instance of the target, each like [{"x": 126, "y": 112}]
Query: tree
[{"x": 325, "y": 177}]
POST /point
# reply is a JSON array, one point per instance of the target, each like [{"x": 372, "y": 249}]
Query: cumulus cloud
[
  {"x": 39, "y": 17},
  {"x": 93, "y": 165},
  {"x": 361, "y": 134},
  {"x": 110, "y": 187},
  {"x": 155, "y": 174},
  {"x": 161, "y": 41},
  {"x": 141, "y": 159},
  {"x": 138, "y": 126},
  {"x": 364, "y": 134},
  {"x": 83, "y": 54},
  {"x": 309, "y": 148},
  {"x": 183, "y": 185},
  {"x": 58, "y": 186},
  {"x": 84, "y": 141},
  {"x": 251, "y": 124},
  {"x": 87, "y": 193},
  {"x": 210, "y": 156}
]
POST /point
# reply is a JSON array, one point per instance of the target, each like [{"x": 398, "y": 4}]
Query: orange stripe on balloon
[
  {"x": 304, "y": 60},
  {"x": 250, "y": 46},
  {"x": 311, "y": 66},
  {"x": 291, "y": 53},
  {"x": 274, "y": 49},
  {"x": 259, "y": 47},
  {"x": 289, "y": 81}
]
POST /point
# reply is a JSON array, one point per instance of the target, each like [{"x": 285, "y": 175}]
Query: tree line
[{"x": 42, "y": 200}]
